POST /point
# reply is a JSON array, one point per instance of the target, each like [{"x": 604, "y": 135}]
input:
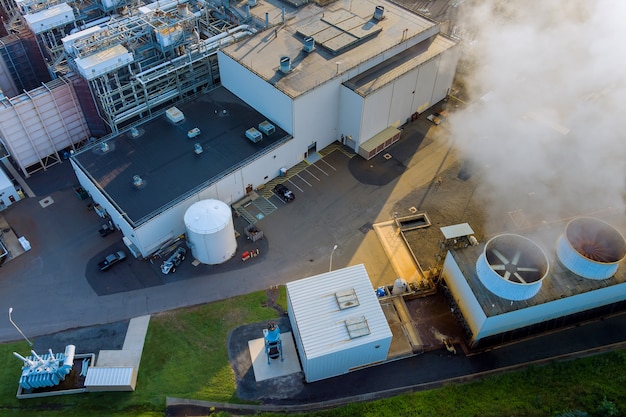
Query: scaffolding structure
[{"x": 137, "y": 57}]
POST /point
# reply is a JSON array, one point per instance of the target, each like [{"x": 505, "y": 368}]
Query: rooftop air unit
[
  {"x": 591, "y": 248},
  {"x": 174, "y": 115},
  {"x": 254, "y": 135},
  {"x": 267, "y": 128},
  {"x": 285, "y": 64},
  {"x": 309, "y": 44},
  {"x": 379, "y": 12},
  {"x": 512, "y": 267}
]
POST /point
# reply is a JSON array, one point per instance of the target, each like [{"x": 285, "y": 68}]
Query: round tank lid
[{"x": 207, "y": 216}]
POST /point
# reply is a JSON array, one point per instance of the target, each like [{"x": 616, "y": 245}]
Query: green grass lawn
[{"x": 185, "y": 355}]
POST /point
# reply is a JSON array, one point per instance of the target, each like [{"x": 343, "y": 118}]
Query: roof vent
[
  {"x": 357, "y": 327},
  {"x": 138, "y": 182},
  {"x": 379, "y": 13},
  {"x": 512, "y": 267},
  {"x": 591, "y": 248},
  {"x": 346, "y": 299},
  {"x": 285, "y": 64},
  {"x": 309, "y": 44}
]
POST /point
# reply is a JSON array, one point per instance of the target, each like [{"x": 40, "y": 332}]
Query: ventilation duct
[
  {"x": 138, "y": 182},
  {"x": 379, "y": 13},
  {"x": 309, "y": 44},
  {"x": 285, "y": 64},
  {"x": 591, "y": 248},
  {"x": 512, "y": 267}
]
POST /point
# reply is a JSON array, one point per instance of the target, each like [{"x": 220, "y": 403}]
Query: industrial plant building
[
  {"x": 512, "y": 287},
  {"x": 349, "y": 71}
]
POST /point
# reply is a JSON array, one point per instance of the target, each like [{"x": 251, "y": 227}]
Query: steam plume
[{"x": 546, "y": 128}]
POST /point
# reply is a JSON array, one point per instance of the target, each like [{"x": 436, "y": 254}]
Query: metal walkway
[{"x": 254, "y": 207}]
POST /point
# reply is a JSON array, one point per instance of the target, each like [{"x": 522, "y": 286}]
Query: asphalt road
[{"x": 56, "y": 285}]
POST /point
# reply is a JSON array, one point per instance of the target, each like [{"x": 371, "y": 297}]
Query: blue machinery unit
[
  {"x": 46, "y": 370},
  {"x": 273, "y": 343}
]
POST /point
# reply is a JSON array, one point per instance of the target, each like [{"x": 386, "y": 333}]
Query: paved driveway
[{"x": 56, "y": 285}]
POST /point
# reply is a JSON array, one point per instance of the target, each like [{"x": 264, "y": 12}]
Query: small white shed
[
  {"x": 8, "y": 193},
  {"x": 337, "y": 322}
]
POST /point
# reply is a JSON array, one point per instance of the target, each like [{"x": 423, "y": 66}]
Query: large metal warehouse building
[
  {"x": 355, "y": 70},
  {"x": 511, "y": 287},
  {"x": 337, "y": 322}
]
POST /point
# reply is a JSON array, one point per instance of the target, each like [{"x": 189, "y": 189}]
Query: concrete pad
[
  {"x": 276, "y": 368},
  {"x": 397, "y": 252},
  {"x": 136, "y": 333},
  {"x": 130, "y": 355},
  {"x": 113, "y": 358},
  {"x": 45, "y": 202}
]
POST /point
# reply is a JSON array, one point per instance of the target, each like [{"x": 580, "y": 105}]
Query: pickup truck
[
  {"x": 111, "y": 260},
  {"x": 175, "y": 259}
]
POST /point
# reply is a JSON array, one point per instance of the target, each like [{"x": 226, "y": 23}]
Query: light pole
[
  {"x": 330, "y": 267},
  {"x": 18, "y": 329}
]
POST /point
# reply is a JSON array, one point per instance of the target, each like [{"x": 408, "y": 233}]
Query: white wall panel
[
  {"x": 268, "y": 166},
  {"x": 350, "y": 113},
  {"x": 445, "y": 73},
  {"x": 260, "y": 95},
  {"x": 426, "y": 78},
  {"x": 554, "y": 309},
  {"x": 317, "y": 117},
  {"x": 402, "y": 100},
  {"x": 376, "y": 112},
  {"x": 463, "y": 295}
]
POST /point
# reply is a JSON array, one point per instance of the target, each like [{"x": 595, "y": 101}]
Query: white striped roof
[{"x": 319, "y": 320}]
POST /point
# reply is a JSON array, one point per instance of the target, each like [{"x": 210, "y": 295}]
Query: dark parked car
[
  {"x": 107, "y": 229},
  {"x": 284, "y": 193},
  {"x": 111, "y": 260}
]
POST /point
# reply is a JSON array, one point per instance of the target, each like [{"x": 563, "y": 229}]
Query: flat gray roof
[
  {"x": 457, "y": 230},
  {"x": 398, "y": 65},
  {"x": 163, "y": 155},
  {"x": 346, "y": 35}
]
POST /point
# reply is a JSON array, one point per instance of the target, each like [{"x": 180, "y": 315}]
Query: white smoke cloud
[{"x": 550, "y": 133}]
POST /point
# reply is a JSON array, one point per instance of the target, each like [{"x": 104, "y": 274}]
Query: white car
[{"x": 175, "y": 259}]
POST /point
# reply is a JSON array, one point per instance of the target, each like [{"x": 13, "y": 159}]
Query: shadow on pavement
[{"x": 134, "y": 274}]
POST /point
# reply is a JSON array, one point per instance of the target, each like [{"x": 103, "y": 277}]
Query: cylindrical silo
[
  {"x": 210, "y": 231},
  {"x": 512, "y": 267},
  {"x": 591, "y": 248}
]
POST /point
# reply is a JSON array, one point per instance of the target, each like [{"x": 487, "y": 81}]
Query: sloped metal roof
[{"x": 322, "y": 325}]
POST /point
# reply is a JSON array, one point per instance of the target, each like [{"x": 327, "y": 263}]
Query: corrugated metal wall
[
  {"x": 22, "y": 62},
  {"x": 37, "y": 61},
  {"x": 96, "y": 125},
  {"x": 38, "y": 125}
]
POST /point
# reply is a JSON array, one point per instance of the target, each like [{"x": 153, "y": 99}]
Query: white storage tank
[{"x": 210, "y": 231}]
